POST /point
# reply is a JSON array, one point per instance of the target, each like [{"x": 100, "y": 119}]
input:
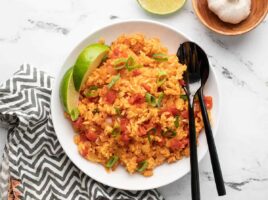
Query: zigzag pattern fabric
[{"x": 34, "y": 165}]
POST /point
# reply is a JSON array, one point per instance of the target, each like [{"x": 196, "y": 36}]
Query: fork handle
[
  {"x": 212, "y": 147},
  {"x": 195, "y": 188}
]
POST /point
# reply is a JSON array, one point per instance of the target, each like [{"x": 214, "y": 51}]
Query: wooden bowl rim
[{"x": 196, "y": 10}]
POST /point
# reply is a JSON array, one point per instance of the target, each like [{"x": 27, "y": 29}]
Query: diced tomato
[
  {"x": 162, "y": 142},
  {"x": 182, "y": 82},
  {"x": 123, "y": 124},
  {"x": 93, "y": 99},
  {"x": 140, "y": 158},
  {"x": 146, "y": 87},
  {"x": 158, "y": 130},
  {"x": 117, "y": 53},
  {"x": 98, "y": 130},
  {"x": 83, "y": 138},
  {"x": 176, "y": 144},
  {"x": 110, "y": 96},
  {"x": 185, "y": 114},
  {"x": 136, "y": 72},
  {"x": 91, "y": 136},
  {"x": 208, "y": 102},
  {"x": 77, "y": 124},
  {"x": 172, "y": 110},
  {"x": 136, "y": 99},
  {"x": 142, "y": 130},
  {"x": 125, "y": 138}
]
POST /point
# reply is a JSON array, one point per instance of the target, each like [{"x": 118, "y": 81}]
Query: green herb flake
[
  {"x": 149, "y": 133},
  {"x": 113, "y": 81},
  {"x": 161, "y": 77},
  {"x": 160, "y": 98},
  {"x": 169, "y": 133},
  {"x": 161, "y": 81},
  {"x": 160, "y": 57},
  {"x": 183, "y": 96},
  {"x": 131, "y": 64},
  {"x": 176, "y": 122},
  {"x": 130, "y": 61},
  {"x": 149, "y": 138},
  {"x": 104, "y": 58},
  {"x": 162, "y": 73},
  {"x": 116, "y": 131},
  {"x": 117, "y": 111},
  {"x": 142, "y": 166},
  {"x": 152, "y": 130},
  {"x": 150, "y": 99},
  {"x": 112, "y": 161},
  {"x": 74, "y": 114},
  {"x": 96, "y": 110},
  {"x": 92, "y": 91},
  {"x": 120, "y": 63}
]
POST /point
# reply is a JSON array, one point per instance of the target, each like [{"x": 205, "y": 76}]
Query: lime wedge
[
  {"x": 161, "y": 7},
  {"x": 88, "y": 60},
  {"x": 68, "y": 95}
]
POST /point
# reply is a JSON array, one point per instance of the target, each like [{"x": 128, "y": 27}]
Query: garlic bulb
[{"x": 231, "y": 11}]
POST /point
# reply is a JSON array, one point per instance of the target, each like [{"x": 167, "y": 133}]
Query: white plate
[{"x": 163, "y": 174}]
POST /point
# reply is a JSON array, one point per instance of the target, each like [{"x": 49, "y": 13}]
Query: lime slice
[
  {"x": 88, "y": 60},
  {"x": 161, "y": 7},
  {"x": 68, "y": 95}
]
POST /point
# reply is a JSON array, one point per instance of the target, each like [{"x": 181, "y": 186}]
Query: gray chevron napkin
[{"x": 34, "y": 165}]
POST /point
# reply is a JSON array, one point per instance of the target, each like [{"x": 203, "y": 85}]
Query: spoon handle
[
  {"x": 212, "y": 147},
  {"x": 195, "y": 188}
]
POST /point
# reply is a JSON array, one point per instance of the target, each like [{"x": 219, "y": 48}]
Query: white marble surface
[{"x": 39, "y": 32}]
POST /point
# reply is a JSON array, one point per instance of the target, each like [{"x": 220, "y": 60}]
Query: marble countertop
[{"x": 38, "y": 32}]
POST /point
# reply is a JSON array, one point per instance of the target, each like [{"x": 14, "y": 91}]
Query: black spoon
[
  {"x": 192, "y": 84},
  {"x": 203, "y": 64}
]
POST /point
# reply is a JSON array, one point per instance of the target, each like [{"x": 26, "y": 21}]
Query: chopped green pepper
[
  {"x": 160, "y": 57},
  {"x": 117, "y": 111},
  {"x": 113, "y": 81},
  {"x": 74, "y": 114},
  {"x": 128, "y": 63},
  {"x": 92, "y": 91},
  {"x": 96, "y": 110},
  {"x": 169, "y": 133},
  {"x": 116, "y": 131},
  {"x": 131, "y": 65},
  {"x": 120, "y": 63},
  {"x": 183, "y": 96},
  {"x": 150, "y": 99},
  {"x": 162, "y": 73},
  {"x": 111, "y": 162},
  {"x": 153, "y": 130},
  {"x": 161, "y": 81},
  {"x": 104, "y": 58},
  {"x": 160, "y": 98},
  {"x": 161, "y": 77},
  {"x": 176, "y": 122},
  {"x": 142, "y": 166},
  {"x": 149, "y": 138}
]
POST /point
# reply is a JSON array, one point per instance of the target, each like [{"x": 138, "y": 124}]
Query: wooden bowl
[{"x": 259, "y": 9}]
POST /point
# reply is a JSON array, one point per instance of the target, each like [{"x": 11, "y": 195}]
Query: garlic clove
[{"x": 231, "y": 11}]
